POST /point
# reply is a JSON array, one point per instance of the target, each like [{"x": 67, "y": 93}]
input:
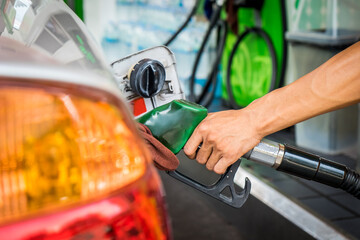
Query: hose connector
[
  {"x": 312, "y": 167},
  {"x": 305, "y": 165},
  {"x": 267, "y": 152}
]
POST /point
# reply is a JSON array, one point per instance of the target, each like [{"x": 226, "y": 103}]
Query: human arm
[{"x": 227, "y": 135}]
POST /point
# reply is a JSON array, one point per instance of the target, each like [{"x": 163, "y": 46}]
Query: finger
[
  {"x": 213, "y": 159},
  {"x": 192, "y": 144},
  {"x": 221, "y": 166},
  {"x": 203, "y": 154}
]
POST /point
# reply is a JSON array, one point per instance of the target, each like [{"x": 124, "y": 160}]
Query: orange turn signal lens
[{"x": 58, "y": 148}]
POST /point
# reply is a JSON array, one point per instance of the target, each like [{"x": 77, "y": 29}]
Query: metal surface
[
  {"x": 280, "y": 156},
  {"x": 291, "y": 210},
  {"x": 267, "y": 153}
]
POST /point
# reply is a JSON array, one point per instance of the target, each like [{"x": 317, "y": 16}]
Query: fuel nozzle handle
[{"x": 309, "y": 166}]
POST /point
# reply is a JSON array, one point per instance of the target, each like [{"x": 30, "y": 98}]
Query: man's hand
[{"x": 225, "y": 137}]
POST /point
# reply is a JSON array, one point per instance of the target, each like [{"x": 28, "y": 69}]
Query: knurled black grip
[{"x": 310, "y": 166}]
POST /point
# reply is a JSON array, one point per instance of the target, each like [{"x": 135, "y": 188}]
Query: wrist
[{"x": 263, "y": 115}]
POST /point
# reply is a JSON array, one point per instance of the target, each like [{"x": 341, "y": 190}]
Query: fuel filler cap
[{"x": 147, "y": 77}]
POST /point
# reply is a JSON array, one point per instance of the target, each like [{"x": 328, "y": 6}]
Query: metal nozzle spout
[{"x": 267, "y": 152}]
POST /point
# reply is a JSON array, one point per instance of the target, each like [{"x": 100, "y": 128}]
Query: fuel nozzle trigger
[
  {"x": 172, "y": 124},
  {"x": 226, "y": 181}
]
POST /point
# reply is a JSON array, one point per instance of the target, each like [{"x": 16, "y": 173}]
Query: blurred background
[{"x": 265, "y": 45}]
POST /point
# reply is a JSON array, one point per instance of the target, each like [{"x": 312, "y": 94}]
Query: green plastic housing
[
  {"x": 251, "y": 68},
  {"x": 173, "y": 123}
]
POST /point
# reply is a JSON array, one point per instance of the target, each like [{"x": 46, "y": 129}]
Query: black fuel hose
[
  {"x": 274, "y": 71},
  {"x": 305, "y": 165},
  {"x": 213, "y": 22},
  {"x": 185, "y": 23},
  {"x": 351, "y": 183},
  {"x": 206, "y": 97},
  {"x": 312, "y": 167}
]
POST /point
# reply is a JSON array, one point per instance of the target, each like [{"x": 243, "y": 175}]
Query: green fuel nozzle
[{"x": 173, "y": 123}]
